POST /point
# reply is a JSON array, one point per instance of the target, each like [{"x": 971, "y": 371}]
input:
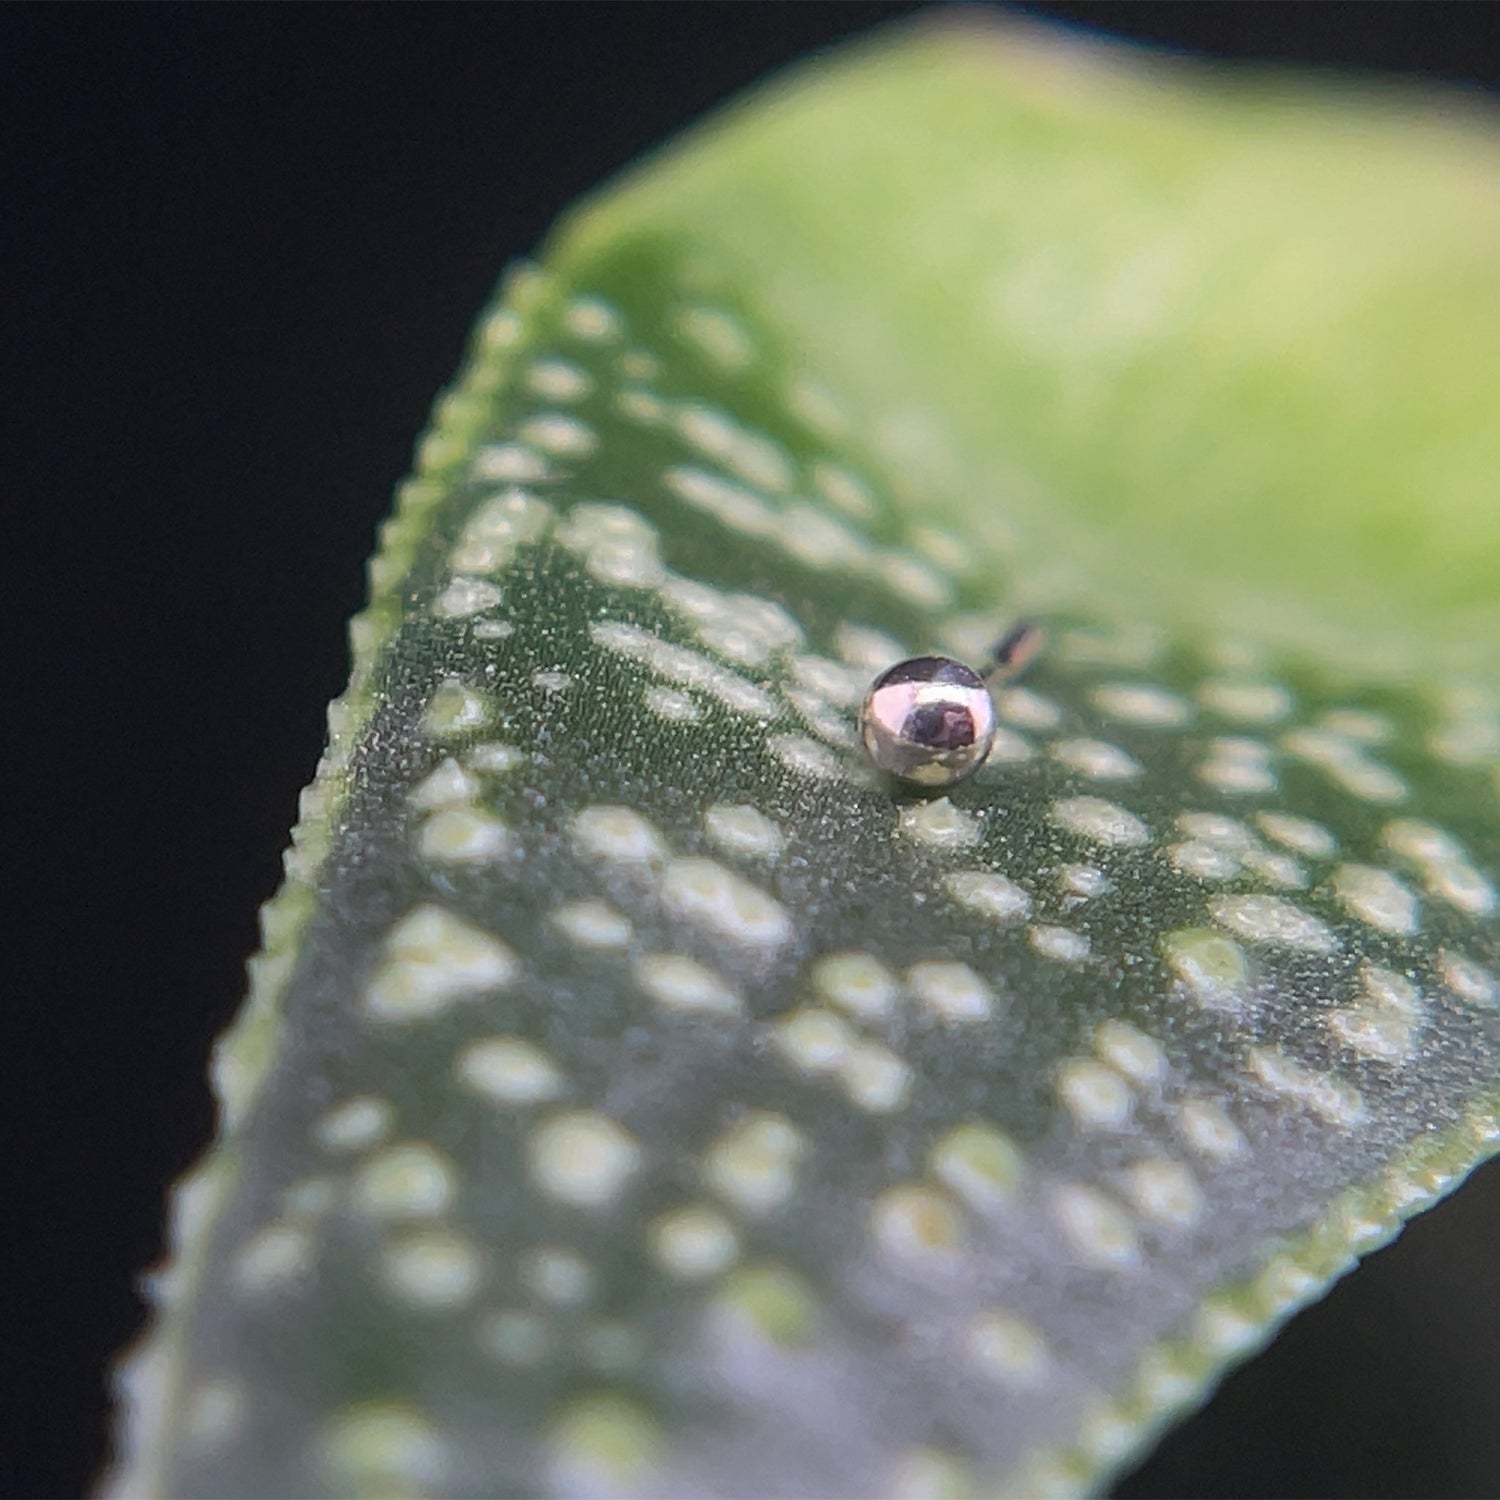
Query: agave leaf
[{"x": 635, "y": 1094}]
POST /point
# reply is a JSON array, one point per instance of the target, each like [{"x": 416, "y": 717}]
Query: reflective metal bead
[{"x": 929, "y": 721}]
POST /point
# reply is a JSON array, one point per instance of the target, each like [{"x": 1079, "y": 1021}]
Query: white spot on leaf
[
  {"x": 951, "y": 991},
  {"x": 433, "y": 960},
  {"x": 1270, "y": 919},
  {"x": 583, "y": 1158},
  {"x": 1101, "y": 822},
  {"x": 509, "y": 1071}
]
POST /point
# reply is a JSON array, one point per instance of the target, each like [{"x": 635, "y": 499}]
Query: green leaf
[{"x": 636, "y": 1094}]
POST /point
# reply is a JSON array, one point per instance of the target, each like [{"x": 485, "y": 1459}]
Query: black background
[{"x": 240, "y": 250}]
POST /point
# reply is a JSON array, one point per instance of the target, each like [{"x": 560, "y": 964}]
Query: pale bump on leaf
[{"x": 635, "y": 1094}]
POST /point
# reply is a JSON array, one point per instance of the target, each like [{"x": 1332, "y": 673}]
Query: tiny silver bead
[{"x": 929, "y": 721}]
